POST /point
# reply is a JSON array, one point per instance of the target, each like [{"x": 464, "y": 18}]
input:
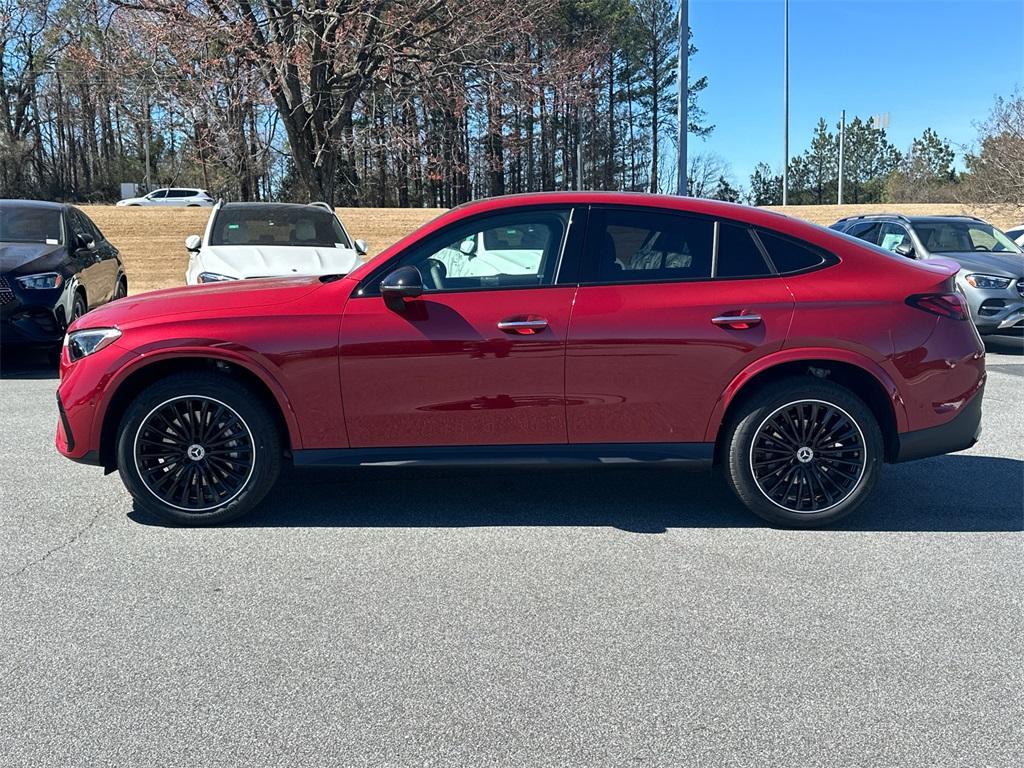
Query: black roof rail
[{"x": 899, "y": 216}]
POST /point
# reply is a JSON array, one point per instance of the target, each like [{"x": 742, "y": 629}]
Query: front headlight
[
  {"x": 988, "y": 281},
  {"x": 213, "y": 277},
  {"x": 41, "y": 281},
  {"x": 83, "y": 343}
]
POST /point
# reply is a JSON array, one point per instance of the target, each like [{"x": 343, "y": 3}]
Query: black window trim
[
  {"x": 715, "y": 220},
  {"x": 373, "y": 280}
]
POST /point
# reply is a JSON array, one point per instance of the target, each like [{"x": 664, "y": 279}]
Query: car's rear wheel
[
  {"x": 803, "y": 452},
  {"x": 198, "y": 449}
]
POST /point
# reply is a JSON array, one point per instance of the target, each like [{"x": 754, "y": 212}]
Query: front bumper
[
  {"x": 958, "y": 434},
  {"x": 30, "y": 317},
  {"x": 996, "y": 310}
]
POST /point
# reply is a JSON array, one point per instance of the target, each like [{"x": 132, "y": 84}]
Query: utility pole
[
  {"x": 785, "y": 104},
  {"x": 683, "y": 94},
  {"x": 842, "y": 142},
  {"x": 149, "y": 132}
]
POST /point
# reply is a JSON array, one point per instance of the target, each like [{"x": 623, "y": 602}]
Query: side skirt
[{"x": 695, "y": 454}]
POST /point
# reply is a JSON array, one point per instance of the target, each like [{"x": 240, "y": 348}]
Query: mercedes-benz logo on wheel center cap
[
  {"x": 804, "y": 454},
  {"x": 196, "y": 452}
]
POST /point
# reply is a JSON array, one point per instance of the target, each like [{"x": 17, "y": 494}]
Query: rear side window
[
  {"x": 635, "y": 246},
  {"x": 867, "y": 231},
  {"x": 738, "y": 254},
  {"x": 790, "y": 255}
]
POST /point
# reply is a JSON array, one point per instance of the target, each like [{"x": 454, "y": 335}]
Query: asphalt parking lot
[{"x": 476, "y": 617}]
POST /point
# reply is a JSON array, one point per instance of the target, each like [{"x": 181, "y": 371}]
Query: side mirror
[
  {"x": 84, "y": 243},
  {"x": 468, "y": 246},
  {"x": 361, "y": 247},
  {"x": 192, "y": 243},
  {"x": 404, "y": 283},
  {"x": 905, "y": 249}
]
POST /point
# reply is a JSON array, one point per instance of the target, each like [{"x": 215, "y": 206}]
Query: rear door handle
[
  {"x": 737, "y": 322},
  {"x": 524, "y": 325}
]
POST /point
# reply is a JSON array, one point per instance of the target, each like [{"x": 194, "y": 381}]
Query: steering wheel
[{"x": 438, "y": 272}]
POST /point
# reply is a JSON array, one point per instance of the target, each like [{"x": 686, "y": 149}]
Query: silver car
[{"x": 991, "y": 275}]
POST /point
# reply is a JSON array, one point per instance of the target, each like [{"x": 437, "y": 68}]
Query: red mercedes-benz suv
[{"x": 562, "y": 326}]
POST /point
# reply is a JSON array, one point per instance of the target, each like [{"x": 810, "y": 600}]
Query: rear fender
[{"x": 808, "y": 355}]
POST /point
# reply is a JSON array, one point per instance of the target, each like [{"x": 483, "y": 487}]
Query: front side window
[
  {"x": 507, "y": 250},
  {"x": 893, "y": 236},
  {"x": 30, "y": 224},
  {"x": 278, "y": 225},
  {"x": 159, "y": 194},
  {"x": 960, "y": 236},
  {"x": 648, "y": 246}
]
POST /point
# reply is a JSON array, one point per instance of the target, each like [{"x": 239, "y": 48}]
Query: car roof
[{"x": 42, "y": 204}]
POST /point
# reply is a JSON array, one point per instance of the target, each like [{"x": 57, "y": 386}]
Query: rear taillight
[{"x": 951, "y": 305}]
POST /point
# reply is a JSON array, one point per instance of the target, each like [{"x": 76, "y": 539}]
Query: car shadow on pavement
[
  {"x": 1005, "y": 344},
  {"x": 955, "y": 493},
  {"x": 27, "y": 363}
]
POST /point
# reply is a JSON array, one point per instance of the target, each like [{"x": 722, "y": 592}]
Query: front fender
[
  {"x": 806, "y": 355},
  {"x": 172, "y": 349}
]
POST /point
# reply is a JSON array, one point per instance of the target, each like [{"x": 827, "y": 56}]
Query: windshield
[
  {"x": 30, "y": 224},
  {"x": 278, "y": 225},
  {"x": 960, "y": 236}
]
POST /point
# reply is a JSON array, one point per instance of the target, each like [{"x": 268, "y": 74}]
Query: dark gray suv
[{"x": 991, "y": 275}]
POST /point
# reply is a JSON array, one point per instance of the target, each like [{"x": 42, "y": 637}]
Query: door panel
[
  {"x": 645, "y": 363},
  {"x": 438, "y": 371}
]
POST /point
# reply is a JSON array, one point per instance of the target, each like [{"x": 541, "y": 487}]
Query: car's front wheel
[
  {"x": 803, "y": 452},
  {"x": 198, "y": 449}
]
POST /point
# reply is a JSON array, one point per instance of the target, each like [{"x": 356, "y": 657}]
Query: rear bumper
[{"x": 958, "y": 434}]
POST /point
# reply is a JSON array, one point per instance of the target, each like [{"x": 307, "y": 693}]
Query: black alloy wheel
[
  {"x": 808, "y": 456},
  {"x": 194, "y": 453}
]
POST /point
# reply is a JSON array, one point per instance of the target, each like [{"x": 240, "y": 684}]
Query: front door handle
[
  {"x": 524, "y": 325},
  {"x": 737, "y": 322}
]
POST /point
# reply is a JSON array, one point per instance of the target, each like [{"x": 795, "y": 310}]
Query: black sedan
[{"x": 55, "y": 265}]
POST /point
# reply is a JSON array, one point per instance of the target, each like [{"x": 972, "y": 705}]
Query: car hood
[
  {"x": 210, "y": 300},
  {"x": 129, "y": 200},
  {"x": 999, "y": 264},
  {"x": 276, "y": 260},
  {"x": 30, "y": 257}
]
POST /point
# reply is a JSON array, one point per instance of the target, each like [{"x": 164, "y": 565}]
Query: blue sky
[{"x": 928, "y": 63}]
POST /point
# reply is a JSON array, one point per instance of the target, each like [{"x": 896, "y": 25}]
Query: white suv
[
  {"x": 244, "y": 240},
  {"x": 179, "y": 196}
]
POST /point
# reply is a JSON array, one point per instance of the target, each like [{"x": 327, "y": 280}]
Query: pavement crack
[{"x": 60, "y": 547}]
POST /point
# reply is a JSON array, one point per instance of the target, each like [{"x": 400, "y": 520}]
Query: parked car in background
[
  {"x": 991, "y": 275},
  {"x": 55, "y": 265},
  {"x": 650, "y": 328},
  {"x": 1016, "y": 234},
  {"x": 173, "y": 196},
  {"x": 245, "y": 240}
]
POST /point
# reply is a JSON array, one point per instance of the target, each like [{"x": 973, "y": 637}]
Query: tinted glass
[
  {"x": 738, "y": 254},
  {"x": 28, "y": 224},
  {"x": 278, "y": 225},
  {"x": 160, "y": 194},
  {"x": 180, "y": 192},
  {"x": 495, "y": 252},
  {"x": 866, "y": 231},
  {"x": 642, "y": 246},
  {"x": 789, "y": 255}
]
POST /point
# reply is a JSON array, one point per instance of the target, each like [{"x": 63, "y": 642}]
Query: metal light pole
[
  {"x": 785, "y": 100},
  {"x": 683, "y": 95},
  {"x": 842, "y": 142}
]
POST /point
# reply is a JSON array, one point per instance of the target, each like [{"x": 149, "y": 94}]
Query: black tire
[
  {"x": 121, "y": 290},
  {"x": 78, "y": 307},
  {"x": 198, "y": 449},
  {"x": 814, "y": 437}
]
